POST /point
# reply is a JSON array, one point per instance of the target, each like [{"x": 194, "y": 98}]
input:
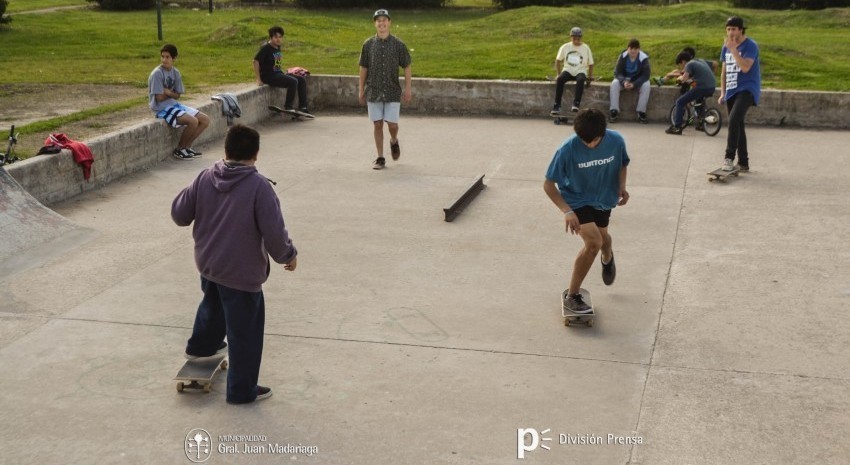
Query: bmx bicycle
[
  {"x": 709, "y": 120},
  {"x": 8, "y": 157}
]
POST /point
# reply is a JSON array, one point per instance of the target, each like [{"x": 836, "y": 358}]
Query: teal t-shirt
[{"x": 590, "y": 177}]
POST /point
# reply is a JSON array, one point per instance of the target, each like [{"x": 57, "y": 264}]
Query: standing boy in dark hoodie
[{"x": 238, "y": 225}]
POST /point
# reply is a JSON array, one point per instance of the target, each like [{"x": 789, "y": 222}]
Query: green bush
[
  {"x": 375, "y": 4},
  {"x": 790, "y": 4},
  {"x": 125, "y": 5},
  {"x": 3, "y": 18}
]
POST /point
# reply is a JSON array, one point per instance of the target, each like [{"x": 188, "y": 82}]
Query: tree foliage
[
  {"x": 125, "y": 5},
  {"x": 370, "y": 3},
  {"x": 3, "y": 18}
]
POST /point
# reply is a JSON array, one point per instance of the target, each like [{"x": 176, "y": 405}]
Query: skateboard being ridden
[
  {"x": 571, "y": 316},
  {"x": 586, "y": 180}
]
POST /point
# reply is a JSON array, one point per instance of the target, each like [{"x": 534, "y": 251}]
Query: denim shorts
[{"x": 387, "y": 111}]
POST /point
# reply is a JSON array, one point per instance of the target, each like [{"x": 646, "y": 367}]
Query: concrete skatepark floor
[{"x": 404, "y": 339}]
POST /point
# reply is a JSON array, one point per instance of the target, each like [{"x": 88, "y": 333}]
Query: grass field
[{"x": 800, "y": 49}]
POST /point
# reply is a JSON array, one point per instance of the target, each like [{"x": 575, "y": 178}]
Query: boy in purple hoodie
[{"x": 238, "y": 226}]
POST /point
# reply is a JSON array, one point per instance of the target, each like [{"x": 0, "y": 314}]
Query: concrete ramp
[{"x": 30, "y": 233}]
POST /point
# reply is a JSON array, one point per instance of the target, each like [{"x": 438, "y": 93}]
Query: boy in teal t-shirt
[{"x": 586, "y": 180}]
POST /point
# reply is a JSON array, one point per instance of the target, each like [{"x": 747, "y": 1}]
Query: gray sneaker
[
  {"x": 728, "y": 165},
  {"x": 575, "y": 304}
]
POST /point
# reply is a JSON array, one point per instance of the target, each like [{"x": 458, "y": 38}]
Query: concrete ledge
[
  {"x": 53, "y": 178},
  {"x": 518, "y": 98}
]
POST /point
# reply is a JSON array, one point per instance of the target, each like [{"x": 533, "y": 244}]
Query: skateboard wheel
[
  {"x": 224, "y": 364},
  {"x": 589, "y": 323},
  {"x": 207, "y": 387},
  {"x": 566, "y": 321},
  {"x": 180, "y": 386}
]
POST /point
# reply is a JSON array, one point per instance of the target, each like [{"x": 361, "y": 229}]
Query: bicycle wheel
[
  {"x": 685, "y": 118},
  {"x": 712, "y": 122}
]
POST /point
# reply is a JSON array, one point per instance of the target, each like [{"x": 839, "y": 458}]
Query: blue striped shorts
[{"x": 172, "y": 113}]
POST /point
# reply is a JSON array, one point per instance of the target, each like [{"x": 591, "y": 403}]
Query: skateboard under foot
[
  {"x": 560, "y": 118},
  {"x": 570, "y": 317},
  {"x": 721, "y": 175},
  {"x": 294, "y": 114},
  {"x": 200, "y": 374}
]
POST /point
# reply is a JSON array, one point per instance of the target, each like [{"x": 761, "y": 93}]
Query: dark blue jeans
[
  {"x": 738, "y": 106},
  {"x": 292, "y": 84},
  {"x": 241, "y": 316},
  {"x": 687, "y": 97}
]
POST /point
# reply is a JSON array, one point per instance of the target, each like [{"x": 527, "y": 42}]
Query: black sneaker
[
  {"x": 614, "y": 116},
  {"x": 200, "y": 358},
  {"x": 395, "y": 150},
  {"x": 575, "y": 304},
  {"x": 263, "y": 392},
  {"x": 556, "y": 110},
  {"x": 675, "y": 130},
  {"x": 379, "y": 163},
  {"x": 744, "y": 168},
  {"x": 642, "y": 118},
  {"x": 609, "y": 271},
  {"x": 194, "y": 152},
  {"x": 182, "y": 154}
]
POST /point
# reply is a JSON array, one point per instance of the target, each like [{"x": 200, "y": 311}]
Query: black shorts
[{"x": 591, "y": 215}]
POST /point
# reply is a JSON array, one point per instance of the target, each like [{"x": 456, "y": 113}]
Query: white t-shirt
[{"x": 576, "y": 59}]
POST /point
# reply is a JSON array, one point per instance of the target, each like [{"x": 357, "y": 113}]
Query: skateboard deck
[
  {"x": 295, "y": 114},
  {"x": 720, "y": 175},
  {"x": 560, "y": 118},
  {"x": 570, "y": 317},
  {"x": 200, "y": 374}
]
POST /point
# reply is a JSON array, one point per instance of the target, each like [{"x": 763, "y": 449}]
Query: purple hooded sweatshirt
[{"x": 238, "y": 225}]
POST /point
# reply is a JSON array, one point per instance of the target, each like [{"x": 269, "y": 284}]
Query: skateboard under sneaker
[
  {"x": 199, "y": 374},
  {"x": 294, "y": 114},
  {"x": 571, "y": 317},
  {"x": 720, "y": 174}
]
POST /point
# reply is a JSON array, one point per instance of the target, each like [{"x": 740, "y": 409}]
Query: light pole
[{"x": 159, "y": 19}]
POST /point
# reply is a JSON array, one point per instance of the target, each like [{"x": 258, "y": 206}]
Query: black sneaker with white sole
[
  {"x": 263, "y": 392},
  {"x": 609, "y": 271},
  {"x": 182, "y": 154}
]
